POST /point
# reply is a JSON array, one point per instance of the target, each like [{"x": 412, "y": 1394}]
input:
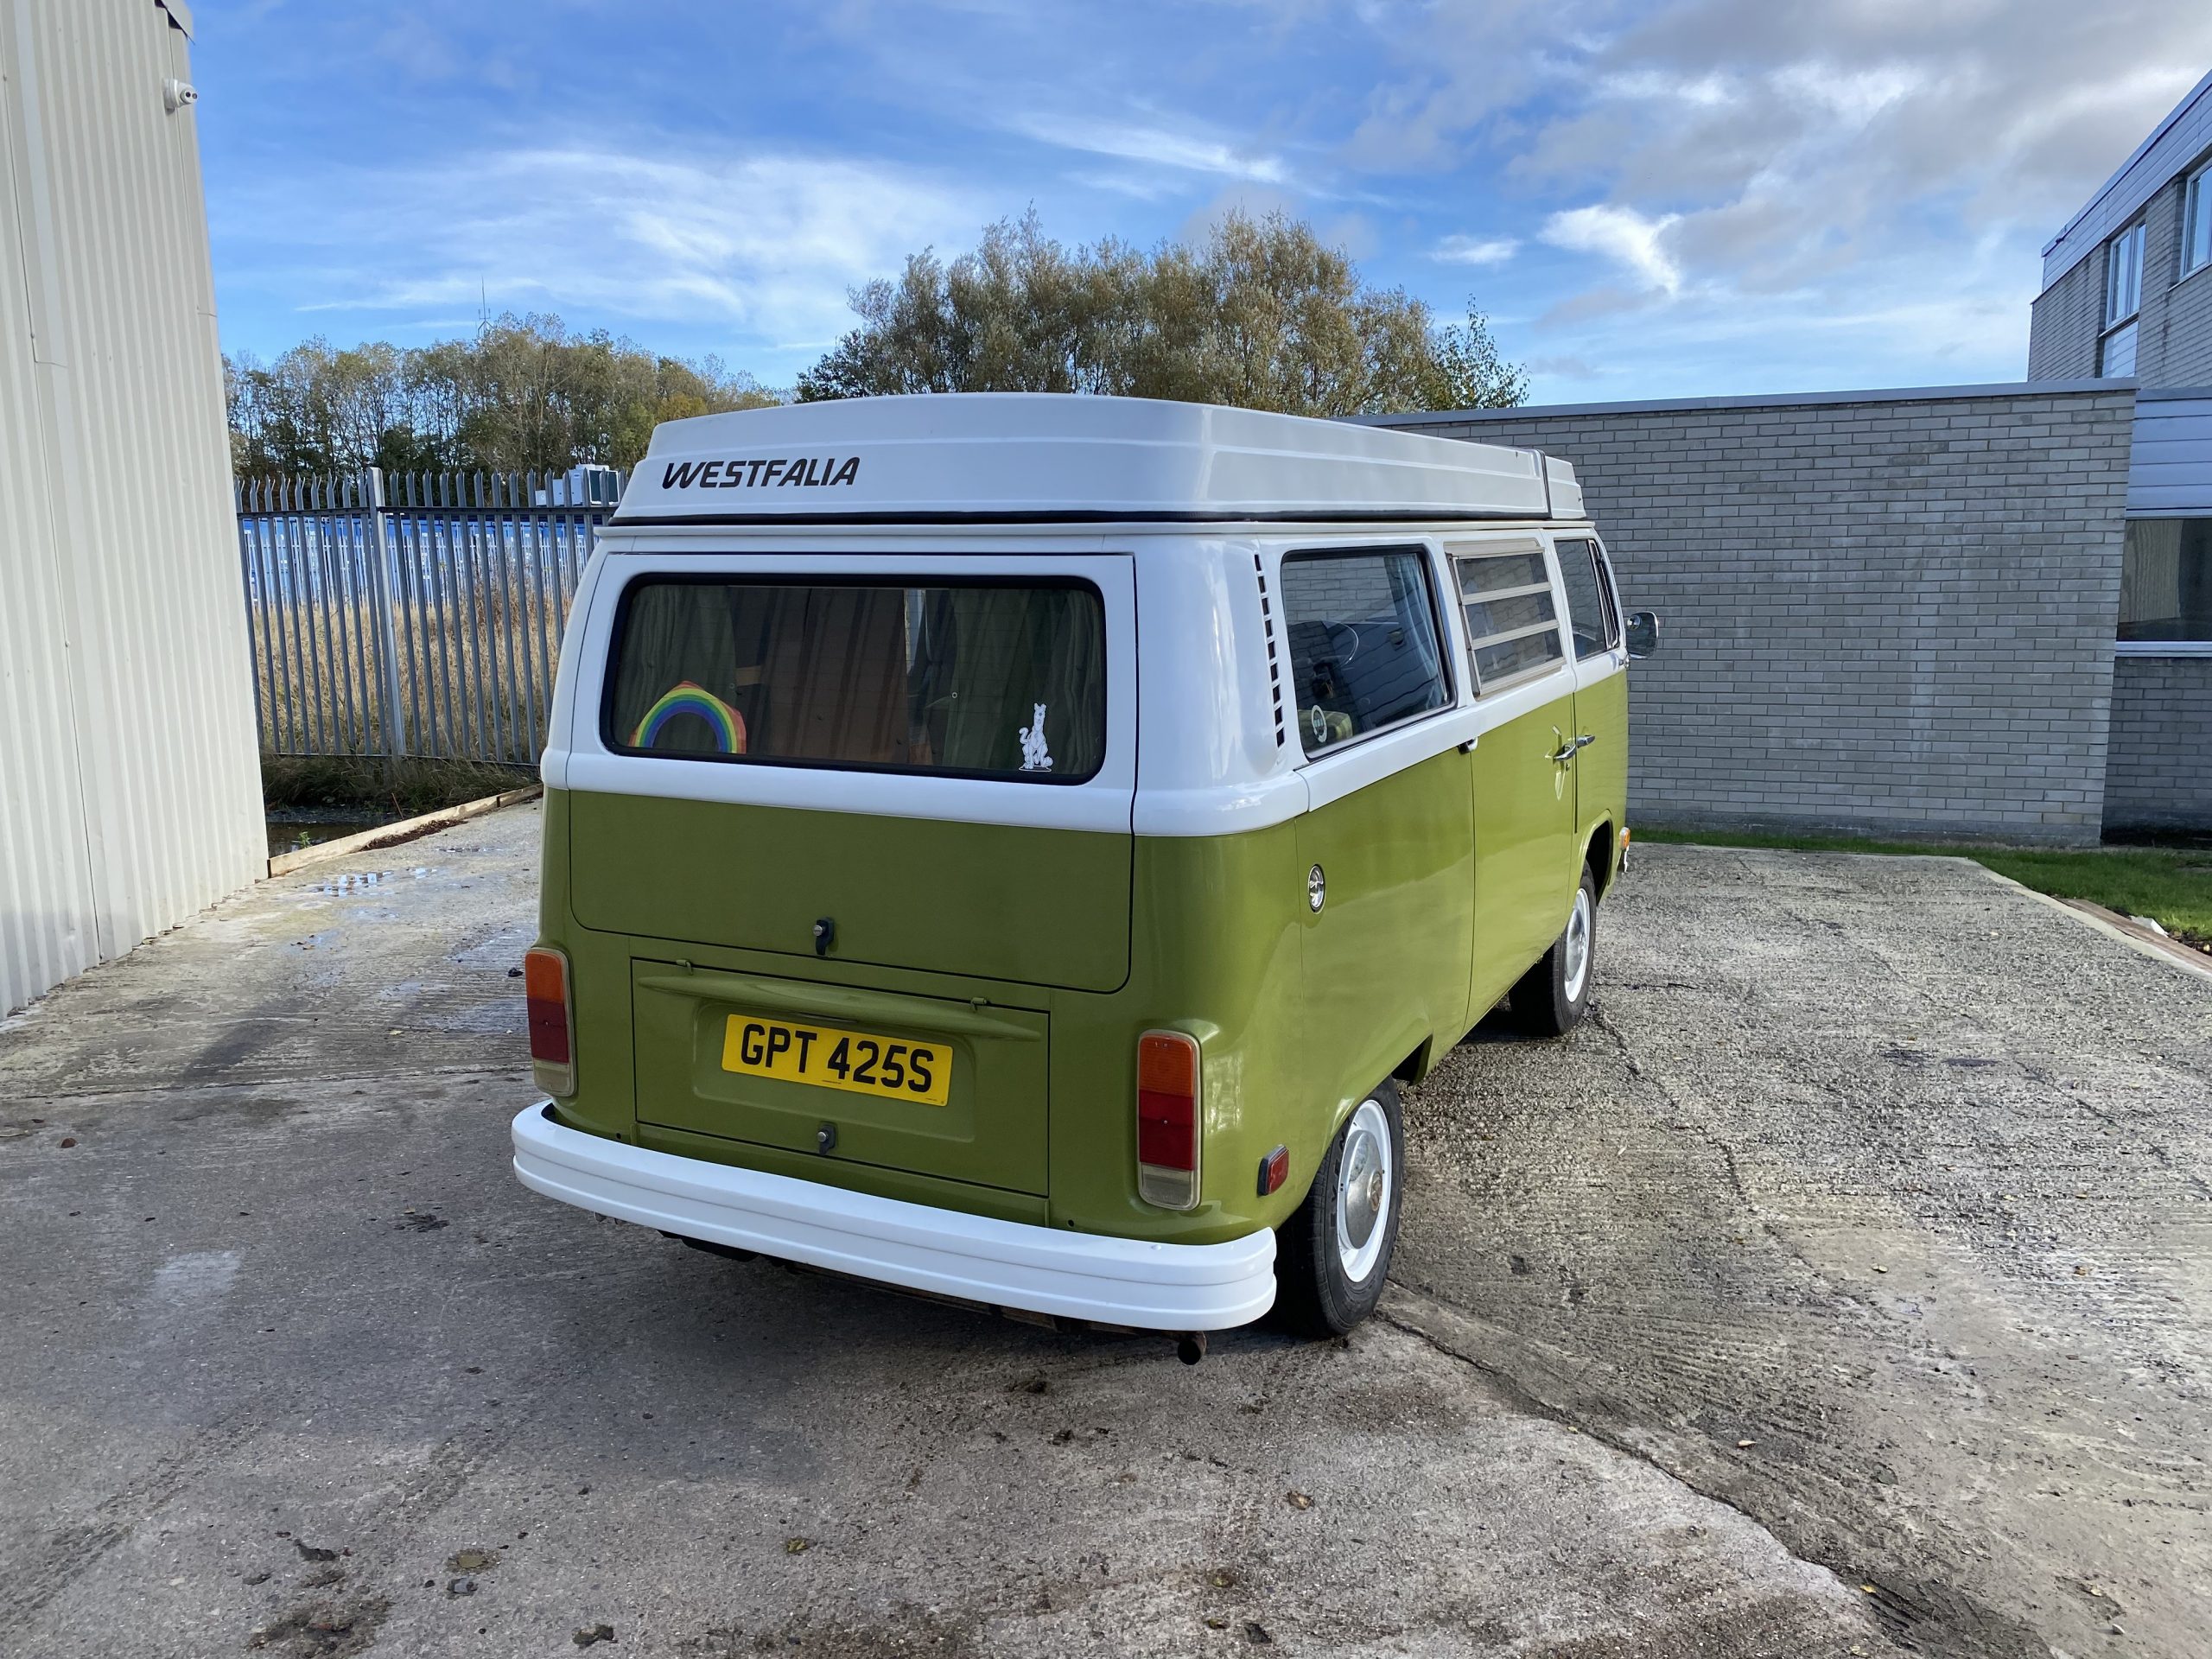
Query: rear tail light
[
  {"x": 1167, "y": 1120},
  {"x": 552, "y": 1020}
]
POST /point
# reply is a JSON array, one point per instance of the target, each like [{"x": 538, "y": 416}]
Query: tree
[
  {"x": 522, "y": 394},
  {"x": 1262, "y": 314},
  {"x": 1471, "y": 373}
]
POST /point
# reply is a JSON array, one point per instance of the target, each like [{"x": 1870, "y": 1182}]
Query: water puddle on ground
[
  {"x": 289, "y": 831},
  {"x": 354, "y": 883}
]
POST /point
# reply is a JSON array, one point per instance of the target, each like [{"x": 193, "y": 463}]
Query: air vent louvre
[{"x": 1274, "y": 665}]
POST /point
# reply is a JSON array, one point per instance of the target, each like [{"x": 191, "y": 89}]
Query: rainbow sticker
[{"x": 685, "y": 698}]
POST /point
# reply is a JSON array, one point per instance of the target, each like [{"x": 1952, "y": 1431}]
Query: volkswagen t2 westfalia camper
[{"x": 1011, "y": 847}]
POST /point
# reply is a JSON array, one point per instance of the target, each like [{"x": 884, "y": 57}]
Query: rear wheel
[
  {"x": 1554, "y": 995},
  {"x": 1332, "y": 1255}
]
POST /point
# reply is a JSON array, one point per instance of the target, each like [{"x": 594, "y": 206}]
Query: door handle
[{"x": 1573, "y": 746}]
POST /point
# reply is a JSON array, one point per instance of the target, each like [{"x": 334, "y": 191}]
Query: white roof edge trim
[
  {"x": 812, "y": 537},
  {"x": 2164, "y": 126},
  {"x": 973, "y": 458}
]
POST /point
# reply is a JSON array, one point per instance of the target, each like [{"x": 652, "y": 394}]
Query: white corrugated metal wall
[{"x": 130, "y": 790}]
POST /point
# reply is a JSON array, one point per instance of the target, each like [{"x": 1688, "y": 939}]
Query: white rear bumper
[{"x": 946, "y": 1252}]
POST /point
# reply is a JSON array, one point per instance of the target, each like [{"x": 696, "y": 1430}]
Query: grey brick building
[
  {"x": 2128, "y": 292},
  {"x": 1977, "y": 610},
  {"x": 2127, "y": 283},
  {"x": 1884, "y": 613}
]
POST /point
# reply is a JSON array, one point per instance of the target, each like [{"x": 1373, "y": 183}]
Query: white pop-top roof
[{"x": 1040, "y": 457}]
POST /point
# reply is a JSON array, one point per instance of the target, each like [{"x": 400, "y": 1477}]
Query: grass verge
[
  {"x": 405, "y": 789},
  {"x": 2173, "y": 888}
]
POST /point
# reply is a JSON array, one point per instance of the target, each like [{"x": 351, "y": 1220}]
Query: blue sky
[{"x": 1706, "y": 197}]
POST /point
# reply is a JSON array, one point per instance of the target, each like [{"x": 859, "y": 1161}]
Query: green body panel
[
  {"x": 1215, "y": 954},
  {"x": 1034, "y": 907},
  {"x": 1601, "y": 770},
  {"x": 988, "y": 1130},
  {"x": 1386, "y": 957},
  {"x": 1048, "y": 953},
  {"x": 1524, "y": 806}
]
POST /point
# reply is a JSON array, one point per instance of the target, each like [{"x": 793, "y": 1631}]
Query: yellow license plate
[{"x": 830, "y": 1058}]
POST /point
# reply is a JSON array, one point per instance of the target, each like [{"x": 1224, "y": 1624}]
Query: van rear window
[{"x": 983, "y": 679}]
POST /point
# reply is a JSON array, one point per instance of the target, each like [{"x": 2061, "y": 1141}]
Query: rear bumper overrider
[{"x": 1126, "y": 1282}]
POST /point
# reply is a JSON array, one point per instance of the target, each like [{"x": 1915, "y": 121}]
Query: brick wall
[
  {"x": 2062, "y": 324},
  {"x": 2160, "y": 774},
  {"x": 2163, "y": 336},
  {"x": 1884, "y": 612},
  {"x": 2185, "y": 334}
]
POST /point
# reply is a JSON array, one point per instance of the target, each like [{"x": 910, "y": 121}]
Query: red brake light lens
[
  {"x": 552, "y": 1047},
  {"x": 1167, "y": 1119}
]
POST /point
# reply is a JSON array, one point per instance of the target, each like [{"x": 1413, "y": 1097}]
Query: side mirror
[{"x": 1642, "y": 634}]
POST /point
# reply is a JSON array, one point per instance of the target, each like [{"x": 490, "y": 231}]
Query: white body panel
[
  {"x": 1147, "y": 1286},
  {"x": 578, "y": 756},
  {"x": 974, "y": 457},
  {"x": 1190, "y": 738},
  {"x": 1101, "y": 487}
]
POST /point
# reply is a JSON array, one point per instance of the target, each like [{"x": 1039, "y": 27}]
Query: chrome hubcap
[
  {"x": 1364, "y": 1193},
  {"x": 1578, "y": 946}
]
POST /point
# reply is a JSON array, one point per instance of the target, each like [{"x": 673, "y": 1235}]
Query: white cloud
[
  {"x": 1629, "y": 239},
  {"x": 1708, "y": 91},
  {"x": 1789, "y": 160},
  {"x": 764, "y": 244},
  {"x": 1188, "y": 151},
  {"x": 1475, "y": 250}
]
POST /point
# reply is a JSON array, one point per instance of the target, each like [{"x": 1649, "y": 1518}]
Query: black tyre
[
  {"x": 1554, "y": 995},
  {"x": 1333, "y": 1255}
]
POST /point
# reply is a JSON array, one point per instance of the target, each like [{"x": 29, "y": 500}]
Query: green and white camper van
[{"x": 1010, "y": 847}]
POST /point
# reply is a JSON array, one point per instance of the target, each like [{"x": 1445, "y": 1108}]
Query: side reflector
[
  {"x": 1167, "y": 1119},
  {"x": 1274, "y": 1170},
  {"x": 552, "y": 1020}
]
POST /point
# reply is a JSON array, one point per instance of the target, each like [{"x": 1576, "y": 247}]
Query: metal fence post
[{"x": 382, "y": 590}]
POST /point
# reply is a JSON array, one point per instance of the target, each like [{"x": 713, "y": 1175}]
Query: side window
[
  {"x": 1587, "y": 613},
  {"x": 1512, "y": 618},
  {"x": 1364, "y": 642}
]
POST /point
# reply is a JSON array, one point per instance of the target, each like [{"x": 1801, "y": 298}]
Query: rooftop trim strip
[
  {"x": 2127, "y": 166},
  {"x": 1765, "y": 400}
]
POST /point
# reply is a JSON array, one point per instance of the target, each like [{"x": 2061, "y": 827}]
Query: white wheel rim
[
  {"x": 1366, "y": 1190},
  {"x": 1578, "y": 945}
]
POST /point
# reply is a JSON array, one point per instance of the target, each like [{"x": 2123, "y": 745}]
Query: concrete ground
[{"x": 1841, "y": 1288}]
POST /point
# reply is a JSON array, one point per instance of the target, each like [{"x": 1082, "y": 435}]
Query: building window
[
  {"x": 2123, "y": 276},
  {"x": 2196, "y": 221},
  {"x": 2116, "y": 353},
  {"x": 2123, "y": 298},
  {"x": 2165, "y": 582}
]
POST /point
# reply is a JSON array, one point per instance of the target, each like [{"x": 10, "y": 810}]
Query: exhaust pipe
[{"x": 1191, "y": 1347}]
